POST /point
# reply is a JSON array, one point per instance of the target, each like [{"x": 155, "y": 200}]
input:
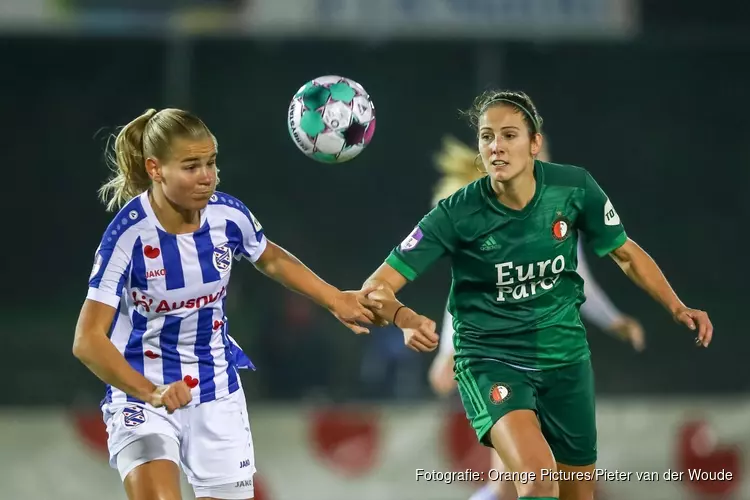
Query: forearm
[
  {"x": 100, "y": 356},
  {"x": 645, "y": 273},
  {"x": 286, "y": 269}
]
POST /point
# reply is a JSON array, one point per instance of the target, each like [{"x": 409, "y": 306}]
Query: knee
[{"x": 538, "y": 480}]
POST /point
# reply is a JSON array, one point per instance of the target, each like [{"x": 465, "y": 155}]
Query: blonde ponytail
[
  {"x": 127, "y": 161},
  {"x": 458, "y": 164}
]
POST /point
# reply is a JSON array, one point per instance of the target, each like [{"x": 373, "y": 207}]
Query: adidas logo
[{"x": 489, "y": 244}]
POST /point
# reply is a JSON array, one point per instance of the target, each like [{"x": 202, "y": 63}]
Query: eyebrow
[
  {"x": 196, "y": 158},
  {"x": 502, "y": 128}
]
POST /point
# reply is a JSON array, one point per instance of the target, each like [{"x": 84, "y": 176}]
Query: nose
[{"x": 206, "y": 176}]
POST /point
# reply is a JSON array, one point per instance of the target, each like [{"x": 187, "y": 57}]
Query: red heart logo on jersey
[
  {"x": 190, "y": 381},
  {"x": 151, "y": 252},
  {"x": 150, "y": 354},
  {"x": 218, "y": 324}
]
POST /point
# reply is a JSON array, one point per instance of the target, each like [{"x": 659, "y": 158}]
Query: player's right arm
[
  {"x": 94, "y": 349},
  {"x": 430, "y": 240},
  {"x": 92, "y": 346}
]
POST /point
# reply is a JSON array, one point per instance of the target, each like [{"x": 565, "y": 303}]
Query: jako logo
[
  {"x": 245, "y": 463},
  {"x": 146, "y": 303}
]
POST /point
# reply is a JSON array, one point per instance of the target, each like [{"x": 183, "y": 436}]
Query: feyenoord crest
[
  {"x": 561, "y": 227},
  {"x": 499, "y": 393}
]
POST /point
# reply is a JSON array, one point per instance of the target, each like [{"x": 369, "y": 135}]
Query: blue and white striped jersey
[{"x": 170, "y": 293}]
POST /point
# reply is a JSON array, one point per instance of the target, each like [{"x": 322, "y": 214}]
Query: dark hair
[
  {"x": 517, "y": 99},
  {"x": 151, "y": 134}
]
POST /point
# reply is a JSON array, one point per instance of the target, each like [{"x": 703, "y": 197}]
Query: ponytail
[{"x": 128, "y": 163}]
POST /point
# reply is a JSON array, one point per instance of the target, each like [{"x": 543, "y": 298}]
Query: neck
[
  {"x": 517, "y": 192},
  {"x": 174, "y": 219}
]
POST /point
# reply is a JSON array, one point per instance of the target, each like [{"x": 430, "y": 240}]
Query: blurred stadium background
[{"x": 651, "y": 96}]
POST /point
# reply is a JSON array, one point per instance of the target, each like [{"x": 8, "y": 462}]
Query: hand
[
  {"x": 419, "y": 332},
  {"x": 172, "y": 396},
  {"x": 629, "y": 330},
  {"x": 353, "y": 307},
  {"x": 696, "y": 320},
  {"x": 441, "y": 375}
]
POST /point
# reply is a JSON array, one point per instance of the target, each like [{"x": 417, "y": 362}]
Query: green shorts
[{"x": 563, "y": 399}]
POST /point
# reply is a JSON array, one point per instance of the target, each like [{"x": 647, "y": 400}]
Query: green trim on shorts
[{"x": 483, "y": 419}]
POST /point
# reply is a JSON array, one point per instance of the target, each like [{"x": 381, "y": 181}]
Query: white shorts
[{"x": 214, "y": 443}]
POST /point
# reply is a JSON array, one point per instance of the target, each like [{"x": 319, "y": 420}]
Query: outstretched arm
[
  {"x": 348, "y": 307},
  {"x": 645, "y": 273}
]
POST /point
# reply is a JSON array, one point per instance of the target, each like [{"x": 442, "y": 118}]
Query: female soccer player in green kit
[{"x": 521, "y": 358}]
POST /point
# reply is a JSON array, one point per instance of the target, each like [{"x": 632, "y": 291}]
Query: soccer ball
[{"x": 331, "y": 119}]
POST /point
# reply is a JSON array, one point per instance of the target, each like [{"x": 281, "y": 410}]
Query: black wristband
[{"x": 396, "y": 313}]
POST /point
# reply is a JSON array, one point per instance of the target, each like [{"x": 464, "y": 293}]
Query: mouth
[{"x": 499, "y": 163}]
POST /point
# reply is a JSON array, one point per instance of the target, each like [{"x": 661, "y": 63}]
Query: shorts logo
[
  {"x": 499, "y": 393},
  {"x": 222, "y": 258},
  {"x": 248, "y": 483},
  {"x": 411, "y": 241},
  {"x": 245, "y": 463},
  {"x": 561, "y": 227},
  {"x": 133, "y": 416}
]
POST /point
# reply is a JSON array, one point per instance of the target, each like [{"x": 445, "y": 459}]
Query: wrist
[
  {"x": 145, "y": 391},
  {"x": 329, "y": 297},
  {"x": 402, "y": 316}
]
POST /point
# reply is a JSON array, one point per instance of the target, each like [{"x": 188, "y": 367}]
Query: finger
[
  {"x": 429, "y": 334},
  {"x": 369, "y": 303},
  {"x": 359, "y": 330},
  {"x": 366, "y": 314},
  {"x": 702, "y": 326},
  {"x": 686, "y": 320},
  {"x": 421, "y": 344},
  {"x": 427, "y": 341},
  {"x": 369, "y": 289}
]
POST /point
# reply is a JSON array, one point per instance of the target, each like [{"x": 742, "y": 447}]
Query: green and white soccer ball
[{"x": 331, "y": 119}]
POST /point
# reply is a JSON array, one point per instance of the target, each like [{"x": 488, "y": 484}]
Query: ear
[
  {"x": 153, "y": 169},
  {"x": 537, "y": 145}
]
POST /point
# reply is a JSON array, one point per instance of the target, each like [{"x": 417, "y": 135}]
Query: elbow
[{"x": 82, "y": 349}]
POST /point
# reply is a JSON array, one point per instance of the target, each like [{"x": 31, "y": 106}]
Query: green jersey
[{"x": 515, "y": 294}]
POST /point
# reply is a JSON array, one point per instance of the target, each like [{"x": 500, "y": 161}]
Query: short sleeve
[
  {"x": 430, "y": 240},
  {"x": 600, "y": 222},
  {"x": 242, "y": 227},
  {"x": 109, "y": 273}
]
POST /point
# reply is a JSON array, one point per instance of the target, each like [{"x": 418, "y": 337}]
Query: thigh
[
  {"x": 490, "y": 390},
  {"x": 150, "y": 470},
  {"x": 217, "y": 448},
  {"x": 567, "y": 412}
]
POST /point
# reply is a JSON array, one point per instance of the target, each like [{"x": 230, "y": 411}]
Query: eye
[{"x": 486, "y": 137}]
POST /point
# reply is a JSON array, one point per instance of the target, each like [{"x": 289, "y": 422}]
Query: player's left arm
[
  {"x": 644, "y": 272},
  {"x": 602, "y": 312},
  {"x": 350, "y": 308},
  {"x": 601, "y": 224}
]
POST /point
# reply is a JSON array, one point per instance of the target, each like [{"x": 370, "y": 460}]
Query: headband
[{"x": 514, "y": 103}]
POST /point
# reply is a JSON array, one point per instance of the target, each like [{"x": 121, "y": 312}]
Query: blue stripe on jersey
[
  {"x": 205, "y": 248},
  {"x": 108, "y": 393},
  {"x": 130, "y": 214},
  {"x": 231, "y": 365},
  {"x": 203, "y": 353},
  {"x": 171, "y": 257},
  {"x": 121, "y": 284},
  {"x": 168, "y": 338},
  {"x": 138, "y": 274},
  {"x": 234, "y": 237},
  {"x": 134, "y": 348}
]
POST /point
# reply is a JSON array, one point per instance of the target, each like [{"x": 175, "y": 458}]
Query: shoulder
[
  {"x": 232, "y": 208},
  {"x": 465, "y": 201},
  {"x": 125, "y": 225},
  {"x": 565, "y": 175}
]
